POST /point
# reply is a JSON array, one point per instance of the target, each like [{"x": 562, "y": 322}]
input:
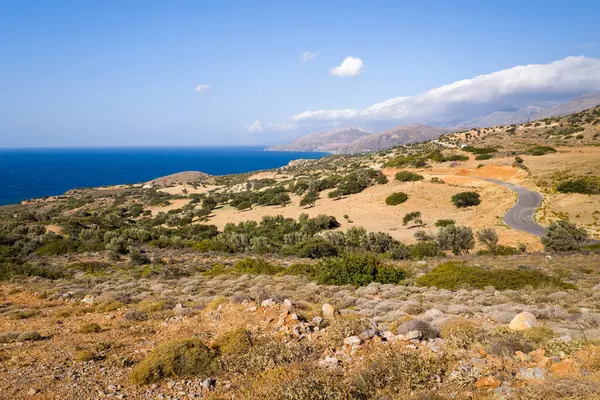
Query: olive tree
[{"x": 458, "y": 239}]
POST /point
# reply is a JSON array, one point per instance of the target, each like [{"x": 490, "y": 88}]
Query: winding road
[{"x": 521, "y": 215}]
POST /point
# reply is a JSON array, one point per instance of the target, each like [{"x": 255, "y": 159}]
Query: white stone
[
  {"x": 328, "y": 310},
  {"x": 352, "y": 340},
  {"x": 523, "y": 321}
]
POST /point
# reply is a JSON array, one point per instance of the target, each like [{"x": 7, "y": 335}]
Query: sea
[{"x": 33, "y": 173}]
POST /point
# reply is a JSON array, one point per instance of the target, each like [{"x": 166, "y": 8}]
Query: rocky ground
[{"x": 83, "y": 337}]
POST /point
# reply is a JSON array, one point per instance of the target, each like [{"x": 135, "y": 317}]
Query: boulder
[
  {"x": 523, "y": 321},
  {"x": 328, "y": 310}
]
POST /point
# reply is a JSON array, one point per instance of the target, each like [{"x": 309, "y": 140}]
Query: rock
[
  {"x": 268, "y": 303},
  {"x": 368, "y": 334},
  {"x": 89, "y": 299},
  {"x": 523, "y": 321},
  {"x": 252, "y": 308},
  {"x": 328, "y": 310},
  {"x": 352, "y": 340},
  {"x": 171, "y": 384},
  {"x": 558, "y": 296},
  {"x": 317, "y": 320},
  {"x": 416, "y": 334},
  {"x": 487, "y": 382},
  {"x": 562, "y": 368},
  {"x": 389, "y": 335},
  {"x": 31, "y": 392},
  {"x": 501, "y": 317},
  {"x": 329, "y": 362},
  {"x": 209, "y": 383},
  {"x": 532, "y": 374},
  {"x": 179, "y": 309},
  {"x": 288, "y": 303}
]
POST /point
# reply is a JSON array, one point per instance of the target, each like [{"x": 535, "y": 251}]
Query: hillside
[
  {"x": 532, "y": 113},
  {"x": 331, "y": 141},
  {"x": 394, "y": 137},
  {"x": 384, "y": 275}
]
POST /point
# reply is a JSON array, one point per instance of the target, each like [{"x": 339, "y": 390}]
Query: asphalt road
[{"x": 521, "y": 215}]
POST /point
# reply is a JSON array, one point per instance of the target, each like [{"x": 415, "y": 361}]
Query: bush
[
  {"x": 395, "y": 369},
  {"x": 342, "y": 327},
  {"x": 178, "y": 359},
  {"x": 541, "y": 150},
  {"x": 590, "y": 185},
  {"x": 396, "y": 198},
  {"x": 462, "y": 333},
  {"x": 90, "y": 328},
  {"x": 399, "y": 252},
  {"x": 357, "y": 269},
  {"x": 466, "y": 199},
  {"x": 299, "y": 269},
  {"x": 564, "y": 236},
  {"x": 488, "y": 237},
  {"x": 482, "y": 157},
  {"x": 456, "y": 275},
  {"x": 458, "y": 239},
  {"x": 444, "y": 222},
  {"x": 256, "y": 266},
  {"x": 479, "y": 150},
  {"x": 414, "y": 216},
  {"x": 237, "y": 341},
  {"x": 316, "y": 248},
  {"x": 309, "y": 199},
  {"x": 406, "y": 176},
  {"x": 424, "y": 249}
]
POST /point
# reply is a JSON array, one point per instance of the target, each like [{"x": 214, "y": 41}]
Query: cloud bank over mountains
[{"x": 520, "y": 86}]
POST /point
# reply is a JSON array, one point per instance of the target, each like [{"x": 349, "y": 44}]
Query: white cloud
[
  {"x": 202, "y": 89},
  {"x": 257, "y": 126},
  {"x": 351, "y": 66},
  {"x": 309, "y": 56},
  {"x": 521, "y": 85},
  {"x": 254, "y": 127}
]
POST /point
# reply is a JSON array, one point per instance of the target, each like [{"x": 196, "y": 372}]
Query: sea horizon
[{"x": 36, "y": 172}]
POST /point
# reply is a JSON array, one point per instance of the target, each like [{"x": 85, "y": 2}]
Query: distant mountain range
[
  {"x": 352, "y": 140},
  {"x": 531, "y": 113},
  {"x": 332, "y": 141}
]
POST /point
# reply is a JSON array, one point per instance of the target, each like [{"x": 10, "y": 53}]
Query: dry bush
[
  {"x": 462, "y": 333},
  {"x": 150, "y": 306},
  {"x": 90, "y": 328},
  {"x": 392, "y": 368},
  {"x": 177, "y": 359},
  {"x": 216, "y": 302},
  {"x": 267, "y": 352},
  {"x": 590, "y": 358},
  {"x": 342, "y": 327},
  {"x": 237, "y": 341},
  {"x": 564, "y": 388},
  {"x": 297, "y": 382}
]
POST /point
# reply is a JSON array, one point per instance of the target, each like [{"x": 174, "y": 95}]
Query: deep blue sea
[{"x": 30, "y": 173}]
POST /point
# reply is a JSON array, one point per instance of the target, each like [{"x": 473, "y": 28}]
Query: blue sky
[{"x": 107, "y": 73}]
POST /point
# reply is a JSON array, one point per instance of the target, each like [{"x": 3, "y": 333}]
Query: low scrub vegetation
[
  {"x": 357, "y": 269},
  {"x": 456, "y": 275},
  {"x": 396, "y": 198},
  {"x": 564, "y": 236},
  {"x": 466, "y": 199},
  {"x": 589, "y": 185},
  {"x": 406, "y": 176}
]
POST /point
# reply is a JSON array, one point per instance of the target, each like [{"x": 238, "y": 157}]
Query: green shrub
[
  {"x": 177, "y": 359},
  {"x": 406, "y": 176},
  {"x": 564, "y": 236},
  {"x": 316, "y": 248},
  {"x": 458, "y": 239},
  {"x": 479, "y": 150},
  {"x": 396, "y": 198},
  {"x": 482, "y": 157},
  {"x": 90, "y": 328},
  {"x": 444, "y": 222},
  {"x": 237, "y": 341},
  {"x": 462, "y": 333},
  {"x": 256, "y": 266},
  {"x": 357, "y": 269},
  {"x": 541, "y": 150},
  {"x": 466, "y": 199},
  {"x": 56, "y": 248},
  {"x": 299, "y": 269},
  {"x": 589, "y": 185},
  {"x": 425, "y": 249},
  {"x": 454, "y": 275},
  {"x": 342, "y": 327}
]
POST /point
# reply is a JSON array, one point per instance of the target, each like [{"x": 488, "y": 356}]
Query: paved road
[{"x": 521, "y": 215}]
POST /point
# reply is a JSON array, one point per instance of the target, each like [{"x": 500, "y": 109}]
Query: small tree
[
  {"x": 458, "y": 239},
  {"x": 466, "y": 199},
  {"x": 564, "y": 236},
  {"x": 244, "y": 205},
  {"x": 414, "y": 216},
  {"x": 309, "y": 199},
  {"x": 488, "y": 237}
]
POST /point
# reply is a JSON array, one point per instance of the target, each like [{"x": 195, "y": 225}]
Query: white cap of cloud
[
  {"x": 202, "y": 89},
  {"x": 308, "y": 56},
  {"x": 571, "y": 75},
  {"x": 351, "y": 66}
]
